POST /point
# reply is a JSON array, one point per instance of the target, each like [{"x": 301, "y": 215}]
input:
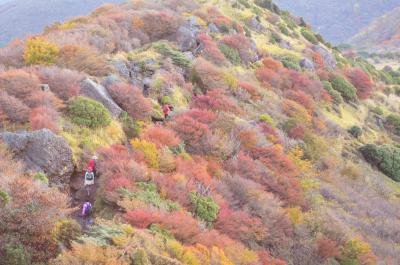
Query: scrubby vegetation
[{"x": 258, "y": 160}]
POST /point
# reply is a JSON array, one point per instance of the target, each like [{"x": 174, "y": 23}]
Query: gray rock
[
  {"x": 42, "y": 151},
  {"x": 255, "y": 24},
  {"x": 187, "y": 34},
  {"x": 329, "y": 59},
  {"x": 122, "y": 68},
  {"x": 97, "y": 92},
  {"x": 213, "y": 28},
  {"x": 285, "y": 45},
  {"x": 110, "y": 80},
  {"x": 307, "y": 64},
  {"x": 189, "y": 55}
]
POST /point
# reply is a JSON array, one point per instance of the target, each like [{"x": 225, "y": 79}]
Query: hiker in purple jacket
[{"x": 86, "y": 209}]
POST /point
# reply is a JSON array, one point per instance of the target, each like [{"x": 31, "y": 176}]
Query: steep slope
[
  {"x": 19, "y": 18},
  {"x": 338, "y": 20},
  {"x": 227, "y": 132},
  {"x": 382, "y": 35}
]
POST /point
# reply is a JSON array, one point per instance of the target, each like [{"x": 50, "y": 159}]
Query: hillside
[
  {"x": 226, "y": 133},
  {"x": 338, "y": 20},
  {"x": 19, "y": 18}
]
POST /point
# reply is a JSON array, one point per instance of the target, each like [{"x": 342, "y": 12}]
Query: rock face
[
  {"x": 307, "y": 64},
  {"x": 97, "y": 92},
  {"x": 329, "y": 59},
  {"x": 187, "y": 34},
  {"x": 42, "y": 151}
]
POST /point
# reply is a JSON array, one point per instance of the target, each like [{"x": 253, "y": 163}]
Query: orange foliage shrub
[
  {"x": 269, "y": 77},
  {"x": 182, "y": 225},
  {"x": 195, "y": 169},
  {"x": 318, "y": 60},
  {"x": 160, "y": 136},
  {"x": 327, "y": 248},
  {"x": 142, "y": 218},
  {"x": 20, "y": 84},
  {"x": 211, "y": 51},
  {"x": 296, "y": 111},
  {"x": 302, "y": 98},
  {"x": 131, "y": 99},
  {"x": 44, "y": 117},
  {"x": 12, "y": 109},
  {"x": 249, "y": 88},
  {"x": 248, "y": 139},
  {"x": 159, "y": 25},
  {"x": 272, "y": 64},
  {"x": 361, "y": 81},
  {"x": 207, "y": 75},
  {"x": 215, "y": 100}
]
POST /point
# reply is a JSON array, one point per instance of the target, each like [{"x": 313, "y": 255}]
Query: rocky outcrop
[
  {"x": 187, "y": 34},
  {"x": 97, "y": 92},
  {"x": 42, "y": 151},
  {"x": 307, "y": 64},
  {"x": 329, "y": 59}
]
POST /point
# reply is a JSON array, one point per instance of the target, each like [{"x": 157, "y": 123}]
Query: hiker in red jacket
[
  {"x": 166, "y": 109},
  {"x": 92, "y": 164}
]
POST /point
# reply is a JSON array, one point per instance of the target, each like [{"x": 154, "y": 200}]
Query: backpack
[
  {"x": 89, "y": 176},
  {"x": 88, "y": 208}
]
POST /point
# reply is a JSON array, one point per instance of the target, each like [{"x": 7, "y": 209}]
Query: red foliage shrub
[
  {"x": 296, "y": 111},
  {"x": 64, "y": 83},
  {"x": 302, "y": 98},
  {"x": 175, "y": 188},
  {"x": 297, "y": 132},
  {"x": 206, "y": 75},
  {"x": 271, "y": 133},
  {"x": 191, "y": 131},
  {"x": 327, "y": 248},
  {"x": 118, "y": 183},
  {"x": 239, "y": 225},
  {"x": 215, "y": 100},
  {"x": 248, "y": 139},
  {"x": 272, "y": 64},
  {"x": 182, "y": 225},
  {"x": 213, "y": 238},
  {"x": 203, "y": 116},
  {"x": 269, "y": 77},
  {"x": 195, "y": 169},
  {"x": 241, "y": 43},
  {"x": 131, "y": 99},
  {"x": 142, "y": 218},
  {"x": 159, "y": 25},
  {"x": 20, "y": 84},
  {"x": 266, "y": 259},
  {"x": 275, "y": 159},
  {"x": 12, "y": 109},
  {"x": 211, "y": 51},
  {"x": 361, "y": 81},
  {"x": 44, "y": 117},
  {"x": 249, "y": 88},
  {"x": 160, "y": 136}
]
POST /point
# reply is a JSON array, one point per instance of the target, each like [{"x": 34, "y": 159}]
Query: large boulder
[
  {"x": 329, "y": 59},
  {"x": 187, "y": 34},
  {"x": 307, "y": 64},
  {"x": 42, "y": 151},
  {"x": 99, "y": 93}
]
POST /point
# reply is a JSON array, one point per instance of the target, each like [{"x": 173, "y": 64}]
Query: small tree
[
  {"x": 87, "y": 112},
  {"x": 204, "y": 207},
  {"x": 355, "y": 131},
  {"x": 39, "y": 51},
  {"x": 346, "y": 89}
]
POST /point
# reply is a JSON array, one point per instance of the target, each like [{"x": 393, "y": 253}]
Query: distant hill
[
  {"x": 21, "y": 17},
  {"x": 338, "y": 20},
  {"x": 382, "y": 35}
]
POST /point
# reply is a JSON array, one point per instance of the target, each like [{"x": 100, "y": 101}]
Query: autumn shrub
[
  {"x": 88, "y": 112},
  {"x": 336, "y": 96},
  {"x": 242, "y": 44},
  {"x": 64, "y": 83},
  {"x": 204, "y": 207},
  {"x": 269, "y": 77},
  {"x": 65, "y": 231},
  {"x": 393, "y": 123},
  {"x": 355, "y": 251},
  {"x": 44, "y": 117},
  {"x": 149, "y": 151},
  {"x": 346, "y": 89},
  {"x": 159, "y": 25},
  {"x": 131, "y": 99},
  {"x": 212, "y": 51},
  {"x": 327, "y": 248},
  {"x": 250, "y": 89},
  {"x": 302, "y": 98},
  {"x": 231, "y": 54},
  {"x": 131, "y": 128},
  {"x": 83, "y": 59},
  {"x": 386, "y": 158},
  {"x": 310, "y": 36},
  {"x": 206, "y": 75},
  {"x": 40, "y": 51},
  {"x": 355, "y": 131},
  {"x": 20, "y": 84},
  {"x": 160, "y": 136},
  {"x": 361, "y": 81},
  {"x": 195, "y": 169},
  {"x": 15, "y": 255},
  {"x": 182, "y": 225},
  {"x": 296, "y": 111},
  {"x": 215, "y": 100},
  {"x": 13, "y": 109},
  {"x": 272, "y": 64}
]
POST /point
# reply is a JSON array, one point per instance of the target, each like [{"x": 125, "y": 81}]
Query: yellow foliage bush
[
  {"x": 149, "y": 151},
  {"x": 295, "y": 215},
  {"x": 39, "y": 51}
]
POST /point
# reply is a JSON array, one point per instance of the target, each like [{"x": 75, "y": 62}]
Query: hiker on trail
[
  {"x": 86, "y": 209},
  {"x": 166, "y": 109},
  {"x": 89, "y": 179},
  {"x": 92, "y": 164}
]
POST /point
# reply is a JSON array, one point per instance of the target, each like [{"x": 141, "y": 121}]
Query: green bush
[
  {"x": 131, "y": 128},
  {"x": 266, "y": 118},
  {"x": 204, "y": 207},
  {"x": 336, "y": 96},
  {"x": 284, "y": 29},
  {"x": 355, "y": 131},
  {"x": 386, "y": 158},
  {"x": 275, "y": 38},
  {"x": 378, "y": 110},
  {"x": 268, "y": 4},
  {"x": 4, "y": 197},
  {"x": 177, "y": 56},
  {"x": 140, "y": 257},
  {"x": 15, "y": 255},
  {"x": 88, "y": 112},
  {"x": 291, "y": 63},
  {"x": 41, "y": 177},
  {"x": 393, "y": 121},
  {"x": 230, "y": 53},
  {"x": 308, "y": 35},
  {"x": 344, "y": 87}
]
